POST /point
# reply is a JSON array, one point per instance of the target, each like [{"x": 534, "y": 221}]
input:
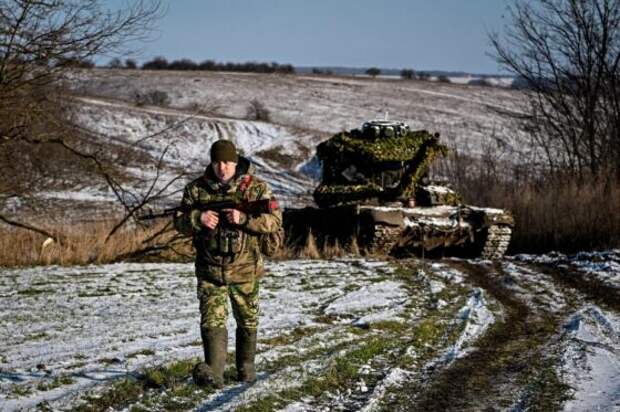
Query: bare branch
[{"x": 57, "y": 237}]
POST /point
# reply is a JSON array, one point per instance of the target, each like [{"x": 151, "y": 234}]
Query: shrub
[
  {"x": 152, "y": 98},
  {"x": 424, "y": 76},
  {"x": 183, "y": 64},
  {"x": 480, "y": 82},
  {"x": 407, "y": 74},
  {"x": 158, "y": 63},
  {"x": 75, "y": 63},
  {"x": 373, "y": 72},
  {"x": 258, "y": 111},
  {"x": 131, "y": 64},
  {"x": 115, "y": 63},
  {"x": 444, "y": 79}
]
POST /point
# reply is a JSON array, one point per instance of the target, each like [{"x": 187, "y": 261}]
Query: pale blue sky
[{"x": 419, "y": 34}]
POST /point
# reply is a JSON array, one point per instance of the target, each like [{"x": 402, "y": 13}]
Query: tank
[{"x": 375, "y": 192}]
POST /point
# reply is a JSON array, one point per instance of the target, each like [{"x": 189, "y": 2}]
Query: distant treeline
[{"x": 161, "y": 63}]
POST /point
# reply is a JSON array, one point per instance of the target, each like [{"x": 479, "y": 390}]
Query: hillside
[
  {"x": 464, "y": 115},
  {"x": 197, "y": 108},
  {"x": 202, "y": 107}
]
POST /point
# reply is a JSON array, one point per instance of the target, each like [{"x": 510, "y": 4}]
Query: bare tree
[
  {"x": 567, "y": 52},
  {"x": 407, "y": 74},
  {"x": 41, "y": 44},
  {"x": 373, "y": 72},
  {"x": 41, "y": 40}
]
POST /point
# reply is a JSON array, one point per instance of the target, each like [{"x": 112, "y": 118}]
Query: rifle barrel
[{"x": 255, "y": 207}]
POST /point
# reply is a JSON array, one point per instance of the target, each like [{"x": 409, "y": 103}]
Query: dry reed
[
  {"x": 552, "y": 211},
  {"x": 84, "y": 244}
]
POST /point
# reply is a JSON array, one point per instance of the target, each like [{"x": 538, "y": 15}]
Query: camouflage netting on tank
[
  {"x": 354, "y": 146},
  {"x": 358, "y": 169}
]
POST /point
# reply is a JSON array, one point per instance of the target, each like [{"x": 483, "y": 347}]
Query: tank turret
[{"x": 380, "y": 162}]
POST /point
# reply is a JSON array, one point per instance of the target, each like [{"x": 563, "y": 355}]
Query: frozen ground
[{"x": 349, "y": 334}]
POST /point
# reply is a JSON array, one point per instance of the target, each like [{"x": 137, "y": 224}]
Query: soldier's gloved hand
[
  {"x": 210, "y": 219},
  {"x": 234, "y": 216}
]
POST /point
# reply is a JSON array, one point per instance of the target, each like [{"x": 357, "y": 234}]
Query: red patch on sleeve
[{"x": 273, "y": 204}]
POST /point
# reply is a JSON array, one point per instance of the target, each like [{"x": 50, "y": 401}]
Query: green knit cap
[{"x": 224, "y": 151}]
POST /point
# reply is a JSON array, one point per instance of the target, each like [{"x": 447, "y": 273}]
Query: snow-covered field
[
  {"x": 303, "y": 110},
  {"x": 348, "y": 334},
  {"x": 464, "y": 115}
]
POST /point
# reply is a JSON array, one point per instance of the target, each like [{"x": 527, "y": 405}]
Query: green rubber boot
[
  {"x": 211, "y": 372},
  {"x": 245, "y": 352}
]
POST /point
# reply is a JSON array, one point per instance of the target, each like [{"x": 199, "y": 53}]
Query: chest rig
[{"x": 226, "y": 240}]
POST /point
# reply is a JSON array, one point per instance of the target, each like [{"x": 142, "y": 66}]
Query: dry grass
[
  {"x": 563, "y": 214},
  {"x": 85, "y": 243},
  {"x": 552, "y": 211},
  {"x": 311, "y": 249}
]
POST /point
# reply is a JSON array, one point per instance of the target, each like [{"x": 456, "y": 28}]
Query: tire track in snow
[
  {"x": 505, "y": 357},
  {"x": 463, "y": 318},
  {"x": 592, "y": 288},
  {"x": 590, "y": 345}
]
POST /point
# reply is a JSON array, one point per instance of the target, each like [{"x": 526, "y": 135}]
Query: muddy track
[
  {"x": 593, "y": 289},
  {"x": 513, "y": 351}
]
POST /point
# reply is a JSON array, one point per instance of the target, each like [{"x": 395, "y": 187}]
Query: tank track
[
  {"x": 384, "y": 239},
  {"x": 497, "y": 241},
  {"x": 495, "y": 245}
]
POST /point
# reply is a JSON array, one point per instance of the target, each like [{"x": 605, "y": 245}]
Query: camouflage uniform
[{"x": 228, "y": 259}]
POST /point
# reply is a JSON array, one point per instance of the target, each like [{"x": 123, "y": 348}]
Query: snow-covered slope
[
  {"x": 466, "y": 116},
  {"x": 184, "y": 138}
]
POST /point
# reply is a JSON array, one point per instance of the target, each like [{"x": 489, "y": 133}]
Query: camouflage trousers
[{"x": 214, "y": 304}]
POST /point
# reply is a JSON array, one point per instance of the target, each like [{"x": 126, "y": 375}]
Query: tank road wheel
[
  {"x": 496, "y": 243},
  {"x": 384, "y": 239}
]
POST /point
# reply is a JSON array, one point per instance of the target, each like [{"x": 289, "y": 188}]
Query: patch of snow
[
  {"x": 447, "y": 273},
  {"x": 604, "y": 266},
  {"x": 394, "y": 378},
  {"x": 436, "y": 286},
  {"x": 476, "y": 318},
  {"x": 385, "y": 294},
  {"x": 92, "y": 322},
  {"x": 83, "y": 195},
  {"x": 529, "y": 284},
  {"x": 591, "y": 360},
  {"x": 439, "y": 189}
]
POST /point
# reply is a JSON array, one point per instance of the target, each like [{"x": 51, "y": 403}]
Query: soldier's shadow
[
  {"x": 229, "y": 393},
  {"x": 16, "y": 377}
]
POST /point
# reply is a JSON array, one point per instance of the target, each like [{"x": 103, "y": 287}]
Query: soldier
[{"x": 228, "y": 259}]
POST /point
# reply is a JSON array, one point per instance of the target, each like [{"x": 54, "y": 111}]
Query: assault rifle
[{"x": 251, "y": 208}]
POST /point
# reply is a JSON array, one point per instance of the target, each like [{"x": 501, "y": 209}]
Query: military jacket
[{"x": 228, "y": 253}]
